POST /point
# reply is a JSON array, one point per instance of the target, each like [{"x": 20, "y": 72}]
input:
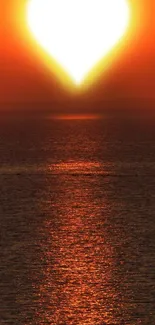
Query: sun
[{"x": 78, "y": 33}]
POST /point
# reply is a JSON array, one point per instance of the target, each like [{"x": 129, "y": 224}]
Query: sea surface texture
[{"x": 77, "y": 221}]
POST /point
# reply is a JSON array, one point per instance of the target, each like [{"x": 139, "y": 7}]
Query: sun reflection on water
[
  {"x": 77, "y": 256},
  {"x": 77, "y": 167}
]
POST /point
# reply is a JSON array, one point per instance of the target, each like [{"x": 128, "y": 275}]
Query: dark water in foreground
[{"x": 77, "y": 215}]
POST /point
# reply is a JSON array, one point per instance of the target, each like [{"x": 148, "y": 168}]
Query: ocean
[{"x": 77, "y": 221}]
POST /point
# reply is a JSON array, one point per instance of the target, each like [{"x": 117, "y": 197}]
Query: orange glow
[{"x": 30, "y": 74}]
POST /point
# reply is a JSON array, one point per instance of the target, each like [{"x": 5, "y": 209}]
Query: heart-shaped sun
[{"x": 78, "y": 33}]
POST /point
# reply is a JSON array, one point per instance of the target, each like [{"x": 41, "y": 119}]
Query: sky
[{"x": 25, "y": 80}]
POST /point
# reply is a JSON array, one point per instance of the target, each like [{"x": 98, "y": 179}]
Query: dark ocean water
[{"x": 77, "y": 221}]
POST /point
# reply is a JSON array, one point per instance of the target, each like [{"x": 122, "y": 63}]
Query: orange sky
[{"x": 24, "y": 79}]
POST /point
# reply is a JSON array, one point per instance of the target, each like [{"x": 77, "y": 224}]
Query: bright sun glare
[{"x": 78, "y": 33}]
